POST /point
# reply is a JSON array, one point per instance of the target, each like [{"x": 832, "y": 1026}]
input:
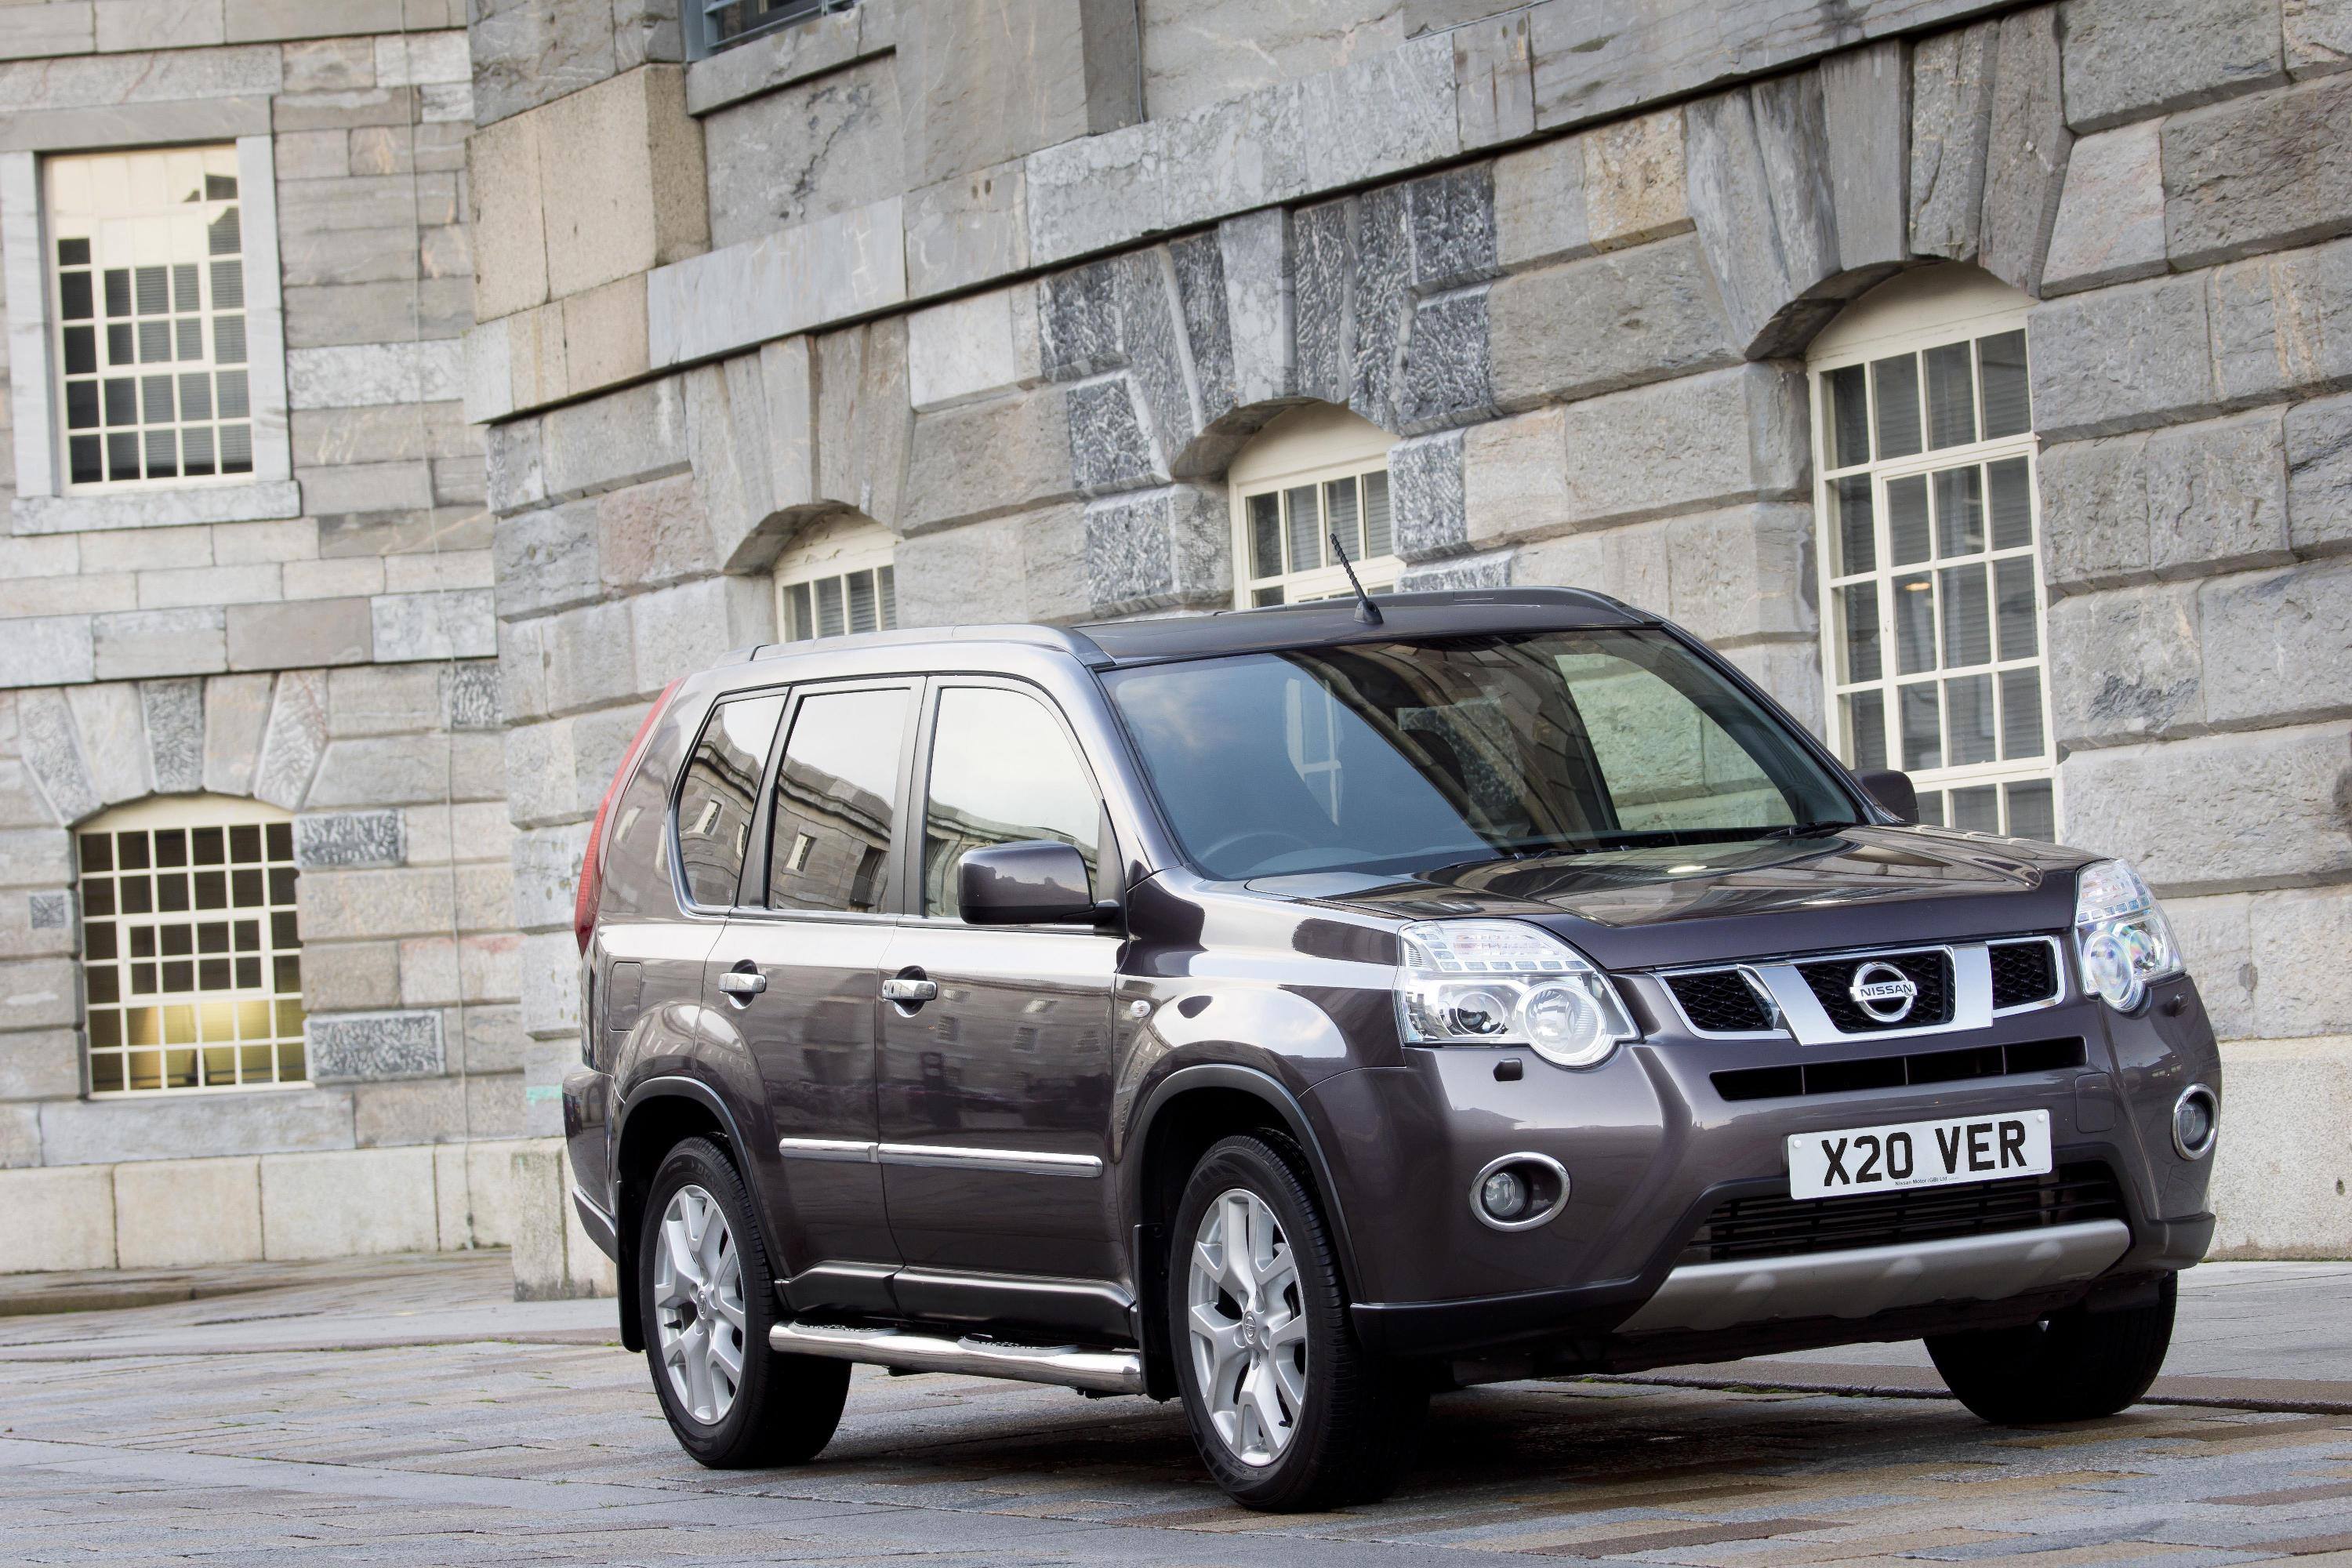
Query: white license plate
[{"x": 1918, "y": 1154}]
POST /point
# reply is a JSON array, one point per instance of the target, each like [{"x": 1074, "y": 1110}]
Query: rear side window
[
  {"x": 716, "y": 802},
  {"x": 836, "y": 793},
  {"x": 1002, "y": 773}
]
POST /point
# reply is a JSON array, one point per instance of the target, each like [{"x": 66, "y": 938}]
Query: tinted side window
[
  {"x": 715, "y": 803},
  {"x": 830, "y": 846},
  {"x": 1002, "y": 773}
]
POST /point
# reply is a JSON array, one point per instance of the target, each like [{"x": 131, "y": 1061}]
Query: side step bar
[{"x": 1096, "y": 1370}]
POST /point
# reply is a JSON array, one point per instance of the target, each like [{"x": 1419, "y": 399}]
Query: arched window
[
  {"x": 837, "y": 578},
  {"x": 1932, "y": 620},
  {"x": 1315, "y": 471},
  {"x": 192, "y": 964}
]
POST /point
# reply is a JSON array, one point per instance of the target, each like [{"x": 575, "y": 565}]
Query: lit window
[
  {"x": 714, "y": 25},
  {"x": 837, "y": 580},
  {"x": 1932, "y": 634},
  {"x": 1312, "y": 473},
  {"x": 148, "y": 274},
  {"x": 192, "y": 963}
]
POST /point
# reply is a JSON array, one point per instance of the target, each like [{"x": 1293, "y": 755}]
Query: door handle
[
  {"x": 742, "y": 984},
  {"x": 913, "y": 990}
]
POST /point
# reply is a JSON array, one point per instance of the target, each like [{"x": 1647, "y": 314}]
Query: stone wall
[{"x": 337, "y": 661}]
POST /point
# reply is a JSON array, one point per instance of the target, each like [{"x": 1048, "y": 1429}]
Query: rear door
[
  {"x": 795, "y": 972},
  {"x": 995, "y": 1092}
]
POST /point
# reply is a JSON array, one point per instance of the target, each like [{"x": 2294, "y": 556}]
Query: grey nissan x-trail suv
[{"x": 1300, "y": 1011}]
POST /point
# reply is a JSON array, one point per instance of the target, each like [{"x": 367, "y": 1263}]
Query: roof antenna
[{"x": 1366, "y": 611}]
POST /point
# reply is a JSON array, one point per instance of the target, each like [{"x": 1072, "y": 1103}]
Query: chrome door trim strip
[
  {"x": 837, "y": 1150},
  {"x": 1864, "y": 1280},
  {"x": 1017, "y": 1161},
  {"x": 1110, "y": 1295}
]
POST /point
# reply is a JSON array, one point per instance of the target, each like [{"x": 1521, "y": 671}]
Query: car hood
[{"x": 1698, "y": 903}]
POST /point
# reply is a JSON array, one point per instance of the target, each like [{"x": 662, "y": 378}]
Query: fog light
[
  {"x": 2195, "y": 1119},
  {"x": 1519, "y": 1192}
]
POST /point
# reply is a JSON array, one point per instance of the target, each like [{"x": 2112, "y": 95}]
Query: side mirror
[
  {"x": 1037, "y": 882},
  {"x": 1892, "y": 790}
]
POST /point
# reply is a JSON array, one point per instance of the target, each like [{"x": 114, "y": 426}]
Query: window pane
[
  {"x": 1865, "y": 730},
  {"x": 73, "y": 296},
  {"x": 1266, "y": 535},
  {"x": 1377, "y": 539},
  {"x": 82, "y": 351},
  {"x": 2007, "y": 406},
  {"x": 1968, "y": 621},
  {"x": 1968, "y": 710},
  {"x": 1849, "y": 416},
  {"x": 1976, "y": 810},
  {"x": 1858, "y": 632},
  {"x": 837, "y": 785},
  {"x": 800, "y": 621},
  {"x": 2013, "y": 595},
  {"x": 2032, "y": 811},
  {"x": 1915, "y": 625},
  {"x": 1931, "y": 807},
  {"x": 1951, "y": 396},
  {"x": 721, "y": 790},
  {"x": 830, "y": 620},
  {"x": 1923, "y": 741},
  {"x": 862, "y": 618},
  {"x": 2021, "y": 715},
  {"x": 1305, "y": 528},
  {"x": 2012, "y": 504},
  {"x": 1002, "y": 773},
  {"x": 1897, "y": 383},
  {"x": 1906, "y": 520},
  {"x": 1857, "y": 545},
  {"x": 1959, "y": 511},
  {"x": 886, "y": 585},
  {"x": 1340, "y": 515}
]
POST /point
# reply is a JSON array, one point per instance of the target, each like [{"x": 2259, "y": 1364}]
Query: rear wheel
[
  {"x": 1289, "y": 1410},
  {"x": 2070, "y": 1366},
  {"x": 707, "y": 1299}
]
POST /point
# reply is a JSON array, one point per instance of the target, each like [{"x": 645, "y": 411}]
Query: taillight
[{"x": 592, "y": 860}]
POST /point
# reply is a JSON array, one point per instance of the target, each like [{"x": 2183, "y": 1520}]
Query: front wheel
[
  {"x": 1288, "y": 1409},
  {"x": 707, "y": 1298},
  {"x": 2070, "y": 1366}
]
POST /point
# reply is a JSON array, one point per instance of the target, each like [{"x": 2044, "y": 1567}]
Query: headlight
[
  {"x": 2121, "y": 935},
  {"x": 1499, "y": 983}
]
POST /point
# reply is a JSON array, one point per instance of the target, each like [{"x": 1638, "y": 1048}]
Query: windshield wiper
[{"x": 1807, "y": 829}]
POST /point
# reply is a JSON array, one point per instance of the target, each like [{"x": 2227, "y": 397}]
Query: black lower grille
[
  {"x": 1793, "y": 1079},
  {"x": 1720, "y": 1001},
  {"x": 2023, "y": 972},
  {"x": 1832, "y": 982},
  {"x": 1777, "y": 1225}
]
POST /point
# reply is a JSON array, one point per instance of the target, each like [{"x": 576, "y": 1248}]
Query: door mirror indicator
[
  {"x": 1892, "y": 790},
  {"x": 1041, "y": 881}
]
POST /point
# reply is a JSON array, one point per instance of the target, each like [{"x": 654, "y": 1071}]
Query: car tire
[
  {"x": 2070, "y": 1366},
  {"x": 700, "y": 1261},
  {"x": 1288, "y": 1409}
]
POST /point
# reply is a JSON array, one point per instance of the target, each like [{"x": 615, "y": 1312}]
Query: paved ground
[{"x": 401, "y": 1412}]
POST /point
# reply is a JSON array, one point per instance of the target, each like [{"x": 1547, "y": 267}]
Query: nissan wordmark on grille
[{"x": 1300, "y": 1012}]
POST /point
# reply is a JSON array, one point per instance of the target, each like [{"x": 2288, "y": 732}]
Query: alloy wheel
[
  {"x": 1248, "y": 1326},
  {"x": 698, "y": 1305}
]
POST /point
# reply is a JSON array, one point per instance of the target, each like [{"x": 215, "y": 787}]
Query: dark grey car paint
[{"x": 1282, "y": 989}]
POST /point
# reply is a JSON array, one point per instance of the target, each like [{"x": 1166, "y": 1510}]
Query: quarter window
[
  {"x": 716, "y": 801},
  {"x": 1313, "y": 473},
  {"x": 836, "y": 789},
  {"x": 148, "y": 278},
  {"x": 192, "y": 961},
  {"x": 1003, "y": 772},
  {"x": 1933, "y": 639}
]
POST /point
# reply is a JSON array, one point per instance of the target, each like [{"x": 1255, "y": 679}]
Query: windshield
[{"x": 1384, "y": 756}]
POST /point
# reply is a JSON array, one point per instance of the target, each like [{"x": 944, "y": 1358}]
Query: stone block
[
  {"x": 2194, "y": 496},
  {"x": 966, "y": 230},
  {"x": 40, "y": 992},
  {"x": 2318, "y": 36},
  {"x": 528, "y": 53},
  {"x": 452, "y": 624},
  {"x": 1540, "y": 203},
  {"x": 474, "y": 1183},
  {"x": 620, "y": 168},
  {"x": 348, "y": 838},
  {"x": 293, "y": 740},
  {"x": 407, "y": 770},
  {"x": 2110, "y": 223},
  {"x": 124, "y": 1128},
  {"x": 1494, "y": 82},
  {"x": 538, "y": 1198},
  {"x": 351, "y": 1203},
  {"x": 61, "y": 28},
  {"x": 306, "y": 633},
  {"x": 2271, "y": 318},
  {"x": 677, "y": 631},
  {"x": 972, "y": 347},
  {"x": 474, "y": 830},
  {"x": 863, "y": 414},
  {"x": 547, "y": 560},
  {"x": 183, "y": 1214},
  {"x": 621, "y": 437},
  {"x": 40, "y": 1064},
  {"x": 1254, "y": 255},
  {"x": 63, "y": 1218},
  {"x": 2026, "y": 151},
  {"x": 47, "y": 650},
  {"x": 543, "y": 774},
  {"x": 1759, "y": 196},
  {"x": 2218, "y": 945},
  {"x": 983, "y": 88},
  {"x": 546, "y": 876},
  {"x": 174, "y": 715},
  {"x": 1447, "y": 378},
  {"x": 2319, "y": 473},
  {"x": 1428, "y": 509},
  {"x": 1609, "y": 321},
  {"x": 344, "y": 977},
  {"x": 809, "y": 148},
  {"x": 1742, "y": 574},
  {"x": 1952, "y": 124},
  {"x": 2218, "y": 813},
  {"x": 369, "y": 375},
  {"x": 549, "y": 966},
  {"x": 2298, "y": 938},
  {"x": 587, "y": 657},
  {"x": 2252, "y": 174},
  {"x": 422, "y": 1110},
  {"x": 829, "y": 269},
  {"x": 652, "y": 534},
  {"x": 2129, "y": 663},
  {"x": 1024, "y": 567},
  {"x": 237, "y": 710},
  {"x": 2277, "y": 645},
  {"x": 987, "y": 458},
  {"x": 606, "y": 337},
  {"x": 1169, "y": 547},
  {"x": 52, "y": 750},
  {"x": 2127, "y": 59},
  {"x": 2274, "y": 1193},
  {"x": 113, "y": 740},
  {"x": 370, "y": 1046},
  {"x": 383, "y": 700},
  {"x": 1866, "y": 125},
  {"x": 2122, "y": 358},
  {"x": 36, "y": 856},
  {"x": 440, "y": 971},
  {"x": 513, "y": 475}
]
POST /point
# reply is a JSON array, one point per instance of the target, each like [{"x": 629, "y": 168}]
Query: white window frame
[
  {"x": 840, "y": 548},
  {"x": 190, "y": 813},
  {"x": 1915, "y": 311},
  {"x": 42, "y": 503},
  {"x": 1316, "y": 445}
]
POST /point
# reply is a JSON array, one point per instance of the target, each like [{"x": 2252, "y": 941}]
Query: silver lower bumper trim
[
  {"x": 1102, "y": 1371},
  {"x": 1871, "y": 1280}
]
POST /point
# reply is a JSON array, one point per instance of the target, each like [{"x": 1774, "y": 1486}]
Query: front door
[
  {"x": 795, "y": 972},
  {"x": 995, "y": 1102}
]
